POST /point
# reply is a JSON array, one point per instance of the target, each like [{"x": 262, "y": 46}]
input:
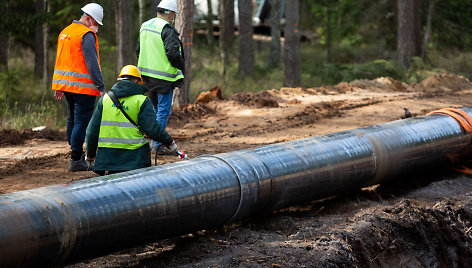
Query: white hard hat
[
  {"x": 95, "y": 11},
  {"x": 169, "y": 5}
]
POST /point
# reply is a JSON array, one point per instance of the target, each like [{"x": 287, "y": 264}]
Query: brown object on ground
[
  {"x": 216, "y": 91},
  {"x": 213, "y": 94},
  {"x": 419, "y": 219}
]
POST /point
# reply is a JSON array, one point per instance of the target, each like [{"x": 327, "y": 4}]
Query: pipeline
[{"x": 62, "y": 224}]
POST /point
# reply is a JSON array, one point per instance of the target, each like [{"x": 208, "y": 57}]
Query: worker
[
  {"x": 78, "y": 77},
  {"x": 161, "y": 62},
  {"x": 117, "y": 143}
]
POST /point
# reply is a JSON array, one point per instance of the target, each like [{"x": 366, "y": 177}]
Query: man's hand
[
  {"x": 89, "y": 158},
  {"x": 102, "y": 93},
  {"x": 58, "y": 94},
  {"x": 172, "y": 147}
]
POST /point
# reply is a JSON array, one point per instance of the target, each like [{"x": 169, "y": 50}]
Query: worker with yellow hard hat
[{"x": 115, "y": 135}]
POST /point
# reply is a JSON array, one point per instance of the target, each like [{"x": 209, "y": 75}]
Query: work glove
[{"x": 173, "y": 148}]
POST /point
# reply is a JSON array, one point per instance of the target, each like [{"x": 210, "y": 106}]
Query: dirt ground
[{"x": 418, "y": 220}]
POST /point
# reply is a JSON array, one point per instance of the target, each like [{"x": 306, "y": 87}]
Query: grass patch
[
  {"x": 207, "y": 72},
  {"x": 19, "y": 116},
  {"x": 27, "y": 102}
]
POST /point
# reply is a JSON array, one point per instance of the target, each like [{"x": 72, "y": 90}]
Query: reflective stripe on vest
[
  {"x": 153, "y": 61},
  {"x": 70, "y": 72},
  {"x": 116, "y": 131}
]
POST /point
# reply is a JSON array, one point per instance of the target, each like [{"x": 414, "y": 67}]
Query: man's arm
[
  {"x": 147, "y": 121},
  {"x": 91, "y": 60},
  {"x": 172, "y": 45}
]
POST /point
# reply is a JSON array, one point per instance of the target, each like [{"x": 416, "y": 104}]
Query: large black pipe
[{"x": 65, "y": 223}]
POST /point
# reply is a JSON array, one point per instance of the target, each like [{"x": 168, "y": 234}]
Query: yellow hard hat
[{"x": 131, "y": 70}]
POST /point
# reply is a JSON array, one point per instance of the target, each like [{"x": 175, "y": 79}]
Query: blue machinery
[{"x": 61, "y": 224}]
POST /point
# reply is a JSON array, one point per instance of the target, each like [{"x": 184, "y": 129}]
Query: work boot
[{"x": 78, "y": 165}]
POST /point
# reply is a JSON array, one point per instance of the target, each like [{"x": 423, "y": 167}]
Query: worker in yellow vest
[
  {"x": 161, "y": 62},
  {"x": 115, "y": 136},
  {"x": 78, "y": 77}
]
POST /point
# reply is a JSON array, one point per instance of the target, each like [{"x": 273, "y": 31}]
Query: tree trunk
[
  {"x": 292, "y": 45},
  {"x": 246, "y": 47},
  {"x": 226, "y": 17},
  {"x": 4, "y": 50},
  {"x": 124, "y": 50},
  {"x": 184, "y": 26},
  {"x": 142, "y": 8},
  {"x": 39, "y": 40},
  {"x": 46, "y": 76},
  {"x": 328, "y": 32},
  {"x": 153, "y": 9},
  {"x": 209, "y": 24},
  {"x": 274, "y": 54},
  {"x": 408, "y": 36},
  {"x": 428, "y": 29},
  {"x": 4, "y": 40},
  {"x": 108, "y": 32}
]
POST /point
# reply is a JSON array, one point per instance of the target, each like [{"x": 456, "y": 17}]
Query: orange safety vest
[{"x": 70, "y": 72}]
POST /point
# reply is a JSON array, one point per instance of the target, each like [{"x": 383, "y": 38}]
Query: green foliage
[
  {"x": 452, "y": 61},
  {"x": 108, "y": 63},
  {"x": 371, "y": 70},
  {"x": 207, "y": 73},
  {"x": 353, "y": 22},
  {"x": 9, "y": 82},
  {"x": 439, "y": 62},
  {"x": 418, "y": 71},
  {"x": 316, "y": 71},
  {"x": 27, "y": 102},
  {"x": 452, "y": 24}
]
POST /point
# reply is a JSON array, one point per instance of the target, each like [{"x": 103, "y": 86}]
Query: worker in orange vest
[{"x": 78, "y": 77}]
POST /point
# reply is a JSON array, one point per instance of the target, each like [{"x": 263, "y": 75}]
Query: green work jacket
[
  {"x": 116, "y": 158},
  {"x": 116, "y": 131},
  {"x": 152, "y": 60}
]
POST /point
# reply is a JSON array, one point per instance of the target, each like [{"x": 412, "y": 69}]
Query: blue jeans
[
  {"x": 80, "y": 108},
  {"x": 163, "y": 109}
]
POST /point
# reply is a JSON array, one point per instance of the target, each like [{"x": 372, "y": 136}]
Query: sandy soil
[{"x": 421, "y": 219}]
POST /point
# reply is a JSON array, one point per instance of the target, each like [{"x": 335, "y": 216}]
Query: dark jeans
[
  {"x": 162, "y": 104},
  {"x": 80, "y": 108}
]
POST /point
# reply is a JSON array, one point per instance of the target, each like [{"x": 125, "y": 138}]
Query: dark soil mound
[
  {"x": 258, "y": 99},
  {"x": 37, "y": 163},
  {"x": 189, "y": 112},
  {"x": 15, "y": 137}
]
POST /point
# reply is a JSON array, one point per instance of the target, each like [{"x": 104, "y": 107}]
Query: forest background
[{"x": 319, "y": 42}]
